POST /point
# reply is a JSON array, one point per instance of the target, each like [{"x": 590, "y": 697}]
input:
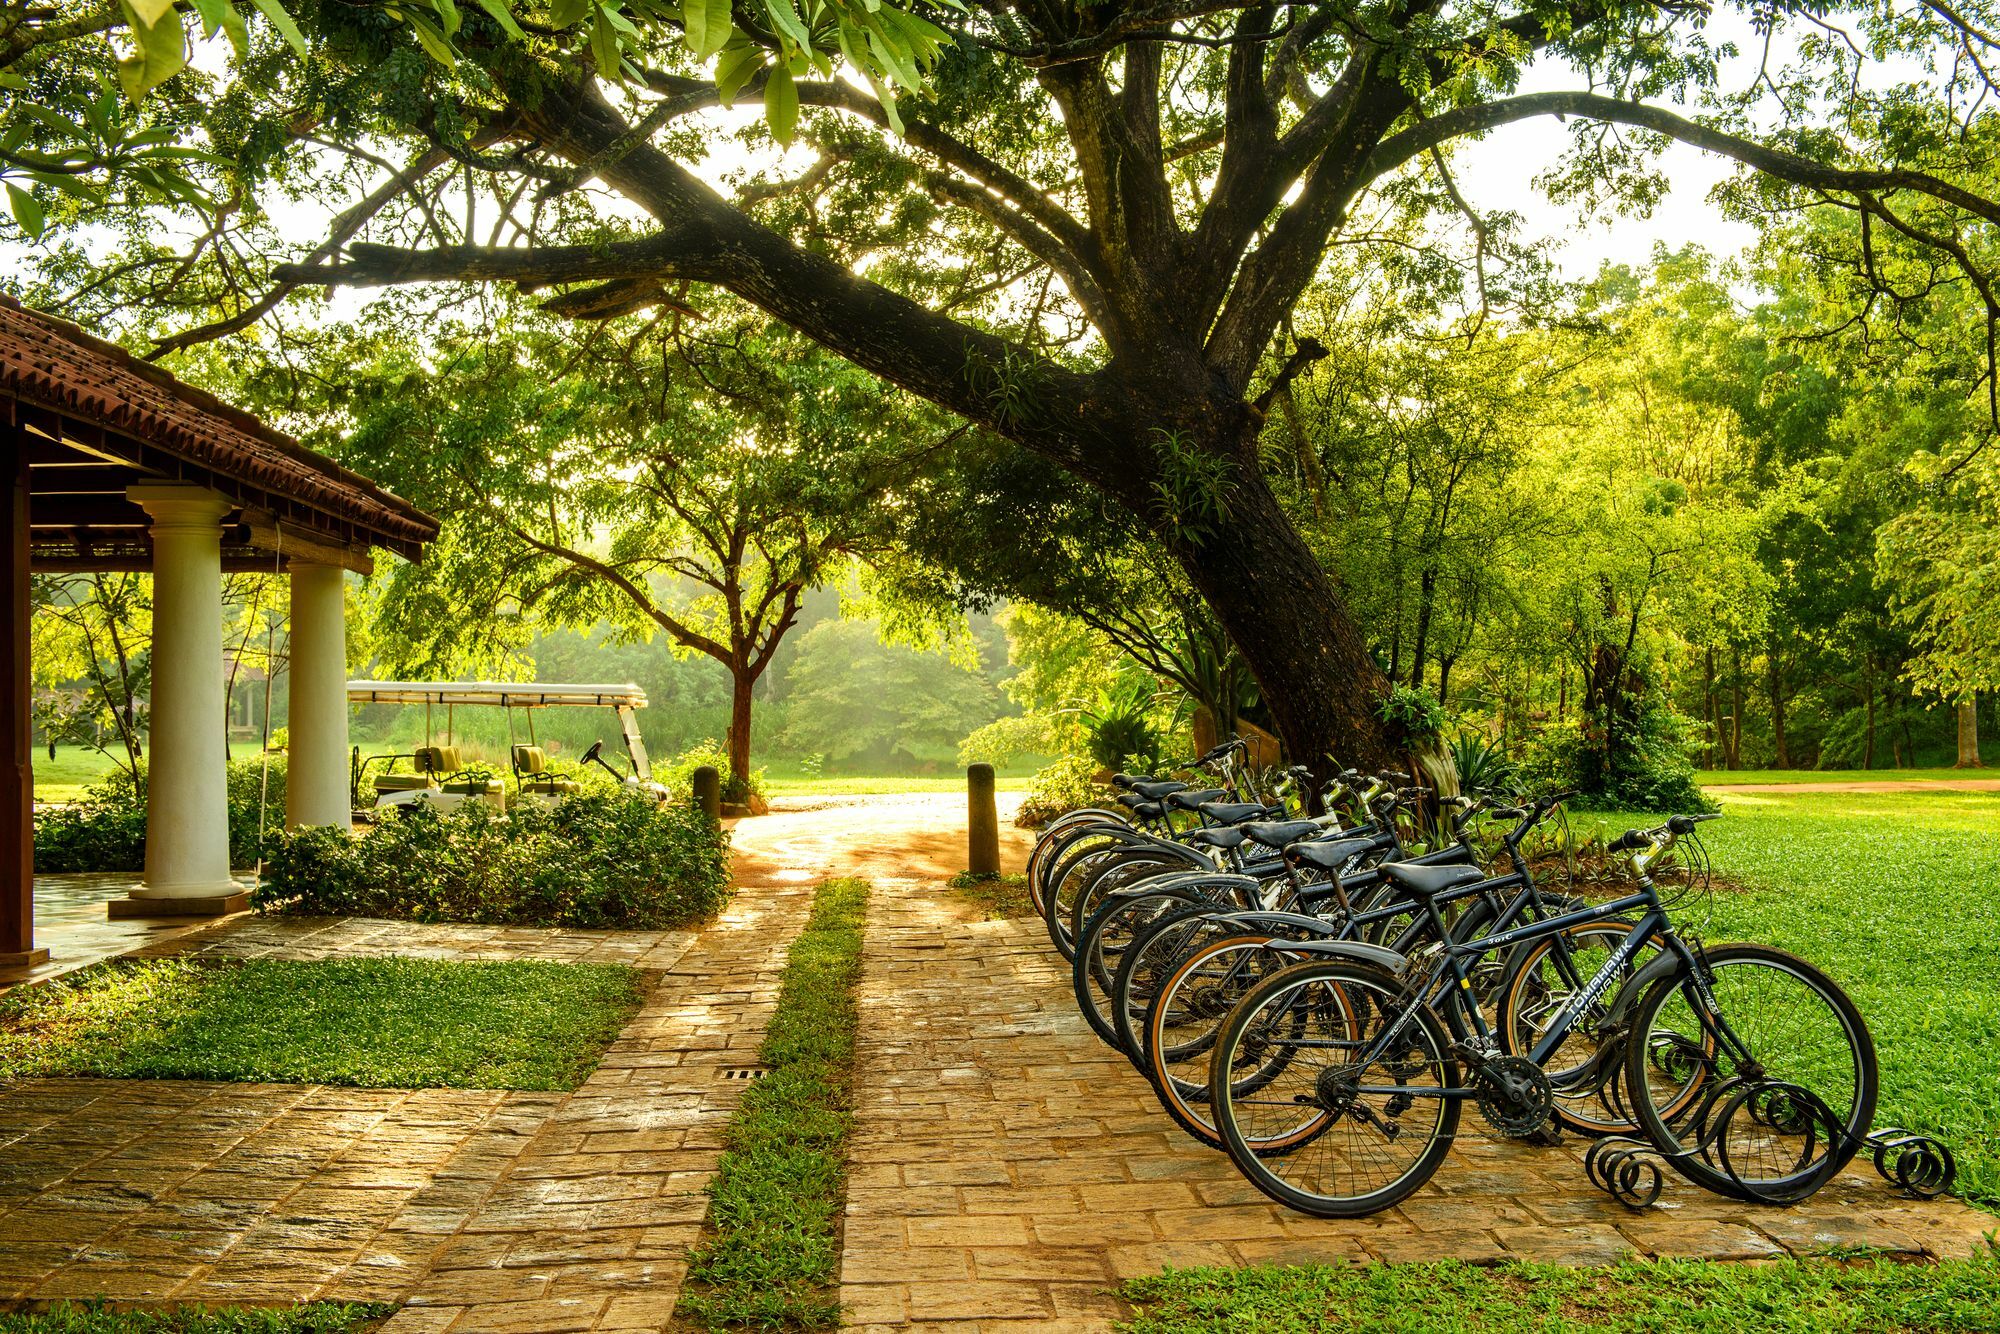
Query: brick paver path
[
  {"x": 146, "y": 1191},
  {"x": 1009, "y": 1168}
]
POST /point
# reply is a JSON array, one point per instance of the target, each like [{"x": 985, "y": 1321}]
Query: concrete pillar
[
  {"x": 982, "y": 822},
  {"x": 316, "y": 762},
  {"x": 187, "y": 796}
]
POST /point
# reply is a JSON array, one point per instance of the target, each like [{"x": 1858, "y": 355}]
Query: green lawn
[
  {"x": 771, "y": 1255},
  {"x": 371, "y": 1023},
  {"x": 1709, "y": 777},
  {"x": 1662, "y": 1297},
  {"x": 72, "y": 770},
  {"x": 94, "y": 1318},
  {"x": 1897, "y": 896}
]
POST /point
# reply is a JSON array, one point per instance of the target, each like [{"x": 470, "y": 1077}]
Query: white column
[
  {"x": 316, "y": 765},
  {"x": 187, "y": 795}
]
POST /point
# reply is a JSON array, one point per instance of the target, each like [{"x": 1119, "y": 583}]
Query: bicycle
[{"x": 1365, "y": 1057}]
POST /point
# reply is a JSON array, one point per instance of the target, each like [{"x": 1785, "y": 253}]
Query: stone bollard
[
  {"x": 707, "y": 785},
  {"x": 982, "y": 822}
]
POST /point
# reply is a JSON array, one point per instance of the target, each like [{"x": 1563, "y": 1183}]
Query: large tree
[{"x": 1084, "y": 228}]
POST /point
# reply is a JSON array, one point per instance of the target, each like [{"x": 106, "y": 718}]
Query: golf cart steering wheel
[{"x": 591, "y": 754}]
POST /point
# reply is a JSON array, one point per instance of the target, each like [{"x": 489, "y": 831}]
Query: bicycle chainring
[{"x": 1515, "y": 1095}]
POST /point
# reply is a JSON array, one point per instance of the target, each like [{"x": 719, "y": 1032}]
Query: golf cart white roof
[{"x": 510, "y": 694}]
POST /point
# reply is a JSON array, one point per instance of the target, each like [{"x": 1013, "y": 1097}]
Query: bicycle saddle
[
  {"x": 1280, "y": 833},
  {"x": 1231, "y": 837},
  {"x": 1187, "y": 801},
  {"x": 1233, "y": 812},
  {"x": 1329, "y": 855},
  {"x": 1153, "y": 790},
  {"x": 1426, "y": 880},
  {"x": 1148, "y": 810}
]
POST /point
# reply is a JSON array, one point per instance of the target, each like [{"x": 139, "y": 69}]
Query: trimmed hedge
[
  {"x": 106, "y": 831},
  {"x": 613, "y": 860}
]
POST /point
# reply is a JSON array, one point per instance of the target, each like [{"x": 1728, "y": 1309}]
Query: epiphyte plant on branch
[{"x": 1120, "y": 203}]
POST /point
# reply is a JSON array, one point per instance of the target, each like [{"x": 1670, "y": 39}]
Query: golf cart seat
[
  {"x": 449, "y": 766},
  {"x": 531, "y": 774},
  {"x": 414, "y": 781}
]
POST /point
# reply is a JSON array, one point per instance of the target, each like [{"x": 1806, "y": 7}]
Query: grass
[
  {"x": 369, "y": 1023},
  {"x": 72, "y": 770},
  {"x": 870, "y": 785},
  {"x": 771, "y": 1256},
  {"x": 1893, "y": 895},
  {"x": 1660, "y": 1297},
  {"x": 1710, "y": 777},
  {"x": 998, "y": 897},
  {"x": 95, "y": 1318}
]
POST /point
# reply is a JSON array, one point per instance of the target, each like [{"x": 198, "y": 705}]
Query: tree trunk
[
  {"x": 739, "y": 726},
  {"x": 1292, "y": 627},
  {"x": 1968, "y": 733},
  {"x": 1868, "y": 738},
  {"x": 1736, "y": 704},
  {"x": 1420, "y": 649},
  {"x": 1711, "y": 714},
  {"x": 1774, "y": 685},
  {"x": 1444, "y": 680}
]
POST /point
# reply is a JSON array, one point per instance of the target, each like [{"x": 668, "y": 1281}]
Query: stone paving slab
[
  {"x": 178, "y": 1190},
  {"x": 72, "y": 924},
  {"x": 1008, "y": 1168},
  {"x": 306, "y": 938},
  {"x": 591, "y": 1227}
]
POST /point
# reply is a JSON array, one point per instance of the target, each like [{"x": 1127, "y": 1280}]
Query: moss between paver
[
  {"x": 368, "y": 1023},
  {"x": 96, "y": 1318},
  {"x": 1862, "y": 1295},
  {"x": 771, "y": 1256}
]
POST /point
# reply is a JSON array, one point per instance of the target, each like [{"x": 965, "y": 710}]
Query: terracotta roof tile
[{"x": 55, "y": 364}]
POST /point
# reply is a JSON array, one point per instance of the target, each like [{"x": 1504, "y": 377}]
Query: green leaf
[
  {"x": 435, "y": 43},
  {"x": 741, "y": 60},
  {"x": 148, "y": 13},
  {"x": 27, "y": 210},
  {"x": 786, "y": 20},
  {"x": 604, "y": 45},
  {"x": 282, "y": 21},
  {"x": 708, "y": 24},
  {"x": 781, "y": 104},
  {"x": 562, "y": 13},
  {"x": 499, "y": 13},
  {"x": 158, "y": 53},
  {"x": 448, "y": 17}
]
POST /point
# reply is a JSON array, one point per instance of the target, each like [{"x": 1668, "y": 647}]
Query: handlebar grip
[
  {"x": 1628, "y": 841},
  {"x": 1508, "y": 813},
  {"x": 1394, "y": 776}
]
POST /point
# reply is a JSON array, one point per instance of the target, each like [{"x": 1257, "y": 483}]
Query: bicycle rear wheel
[
  {"x": 1763, "y": 1088},
  {"x": 1101, "y": 947},
  {"x": 1349, "y": 1123},
  {"x": 1185, "y": 1016}
]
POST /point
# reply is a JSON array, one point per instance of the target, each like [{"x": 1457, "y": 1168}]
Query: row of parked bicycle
[{"x": 1319, "y": 995}]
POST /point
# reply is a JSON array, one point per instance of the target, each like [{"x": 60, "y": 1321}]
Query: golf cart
[{"x": 438, "y": 775}]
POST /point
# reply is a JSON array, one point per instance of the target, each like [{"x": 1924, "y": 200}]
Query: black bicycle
[{"x": 1749, "y": 1071}]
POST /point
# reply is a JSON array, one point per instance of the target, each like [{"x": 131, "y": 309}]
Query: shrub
[
  {"x": 678, "y": 775},
  {"x": 1640, "y": 765},
  {"x": 1484, "y": 767},
  {"x": 1412, "y": 715},
  {"x": 591, "y": 860},
  {"x": 106, "y": 831},
  {"x": 1063, "y": 786}
]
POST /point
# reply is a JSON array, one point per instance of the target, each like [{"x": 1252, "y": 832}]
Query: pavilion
[{"x": 113, "y": 464}]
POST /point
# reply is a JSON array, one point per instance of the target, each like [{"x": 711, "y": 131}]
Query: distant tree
[
  {"x": 697, "y": 481},
  {"x": 852, "y": 696}
]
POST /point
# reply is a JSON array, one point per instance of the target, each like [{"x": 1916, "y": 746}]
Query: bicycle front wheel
[
  {"x": 1761, "y": 1089},
  {"x": 1357, "y": 1110}
]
